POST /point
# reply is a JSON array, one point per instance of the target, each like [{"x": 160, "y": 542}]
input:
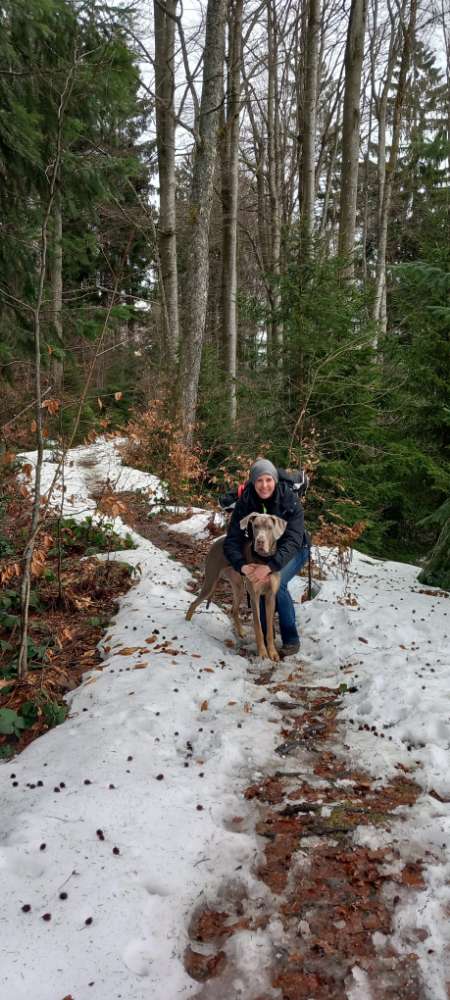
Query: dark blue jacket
[{"x": 283, "y": 503}]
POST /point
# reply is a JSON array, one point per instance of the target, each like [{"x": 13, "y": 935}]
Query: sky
[{"x": 119, "y": 823}]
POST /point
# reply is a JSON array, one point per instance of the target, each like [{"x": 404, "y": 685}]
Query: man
[{"x": 266, "y": 494}]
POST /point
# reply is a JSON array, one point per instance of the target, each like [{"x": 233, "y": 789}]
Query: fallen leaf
[
  {"x": 203, "y": 967},
  {"x": 52, "y": 405},
  {"x": 412, "y": 875},
  {"x": 204, "y": 706}
]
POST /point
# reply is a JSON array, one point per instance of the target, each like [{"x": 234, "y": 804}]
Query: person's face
[{"x": 265, "y": 486}]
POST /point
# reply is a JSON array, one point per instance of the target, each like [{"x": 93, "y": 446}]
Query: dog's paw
[{"x": 273, "y": 655}]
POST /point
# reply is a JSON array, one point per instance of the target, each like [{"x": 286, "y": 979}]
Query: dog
[{"x": 266, "y": 530}]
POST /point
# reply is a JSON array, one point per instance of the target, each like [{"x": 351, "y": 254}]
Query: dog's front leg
[
  {"x": 237, "y": 586},
  {"x": 270, "y": 612},
  {"x": 260, "y": 644}
]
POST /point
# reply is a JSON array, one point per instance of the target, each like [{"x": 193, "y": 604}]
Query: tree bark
[
  {"x": 307, "y": 204},
  {"x": 57, "y": 289},
  {"x": 354, "y": 53},
  {"x": 196, "y": 283},
  {"x": 273, "y": 170},
  {"x": 230, "y": 193},
  {"x": 329, "y": 179},
  {"x": 165, "y": 19},
  {"x": 379, "y": 308}
]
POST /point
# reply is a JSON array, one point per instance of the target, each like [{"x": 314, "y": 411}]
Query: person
[{"x": 266, "y": 494}]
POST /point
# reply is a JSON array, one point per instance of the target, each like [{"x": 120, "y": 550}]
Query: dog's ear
[
  {"x": 279, "y": 526},
  {"x": 245, "y": 521}
]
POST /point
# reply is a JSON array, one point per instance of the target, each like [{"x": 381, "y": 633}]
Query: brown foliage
[
  {"x": 156, "y": 445},
  {"x": 338, "y": 536},
  {"x": 203, "y": 967}
]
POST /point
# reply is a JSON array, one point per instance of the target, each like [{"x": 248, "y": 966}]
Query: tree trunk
[
  {"x": 354, "y": 53},
  {"x": 196, "y": 284},
  {"x": 164, "y": 16},
  {"x": 329, "y": 181},
  {"x": 57, "y": 366},
  {"x": 379, "y": 309},
  {"x": 230, "y": 193},
  {"x": 307, "y": 203},
  {"x": 273, "y": 168}
]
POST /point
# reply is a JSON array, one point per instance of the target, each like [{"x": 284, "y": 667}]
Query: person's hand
[{"x": 256, "y": 572}]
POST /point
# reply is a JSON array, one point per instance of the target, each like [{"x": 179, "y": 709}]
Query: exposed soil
[{"x": 72, "y": 606}]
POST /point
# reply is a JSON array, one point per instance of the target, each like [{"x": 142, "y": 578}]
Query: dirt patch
[
  {"x": 69, "y": 635},
  {"x": 329, "y": 893},
  {"x": 72, "y": 600}
]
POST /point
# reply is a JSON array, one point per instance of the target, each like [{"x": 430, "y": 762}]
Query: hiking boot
[{"x": 290, "y": 649}]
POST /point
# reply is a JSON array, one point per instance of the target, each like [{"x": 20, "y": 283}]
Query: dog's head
[{"x": 267, "y": 529}]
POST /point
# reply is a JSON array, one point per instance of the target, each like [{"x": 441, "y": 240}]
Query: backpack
[{"x": 298, "y": 482}]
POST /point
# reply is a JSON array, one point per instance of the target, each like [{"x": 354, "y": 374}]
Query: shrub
[{"x": 156, "y": 445}]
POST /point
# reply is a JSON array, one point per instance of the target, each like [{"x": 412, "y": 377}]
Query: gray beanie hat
[{"x": 263, "y": 468}]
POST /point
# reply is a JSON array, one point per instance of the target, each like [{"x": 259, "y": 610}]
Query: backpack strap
[{"x": 228, "y": 500}]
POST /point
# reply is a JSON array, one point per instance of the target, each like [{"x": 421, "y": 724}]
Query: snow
[
  {"x": 85, "y": 470},
  {"x": 197, "y": 524},
  {"x": 158, "y": 747}
]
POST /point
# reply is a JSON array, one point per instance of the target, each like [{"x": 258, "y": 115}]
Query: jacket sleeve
[
  {"x": 292, "y": 540},
  {"x": 234, "y": 541}
]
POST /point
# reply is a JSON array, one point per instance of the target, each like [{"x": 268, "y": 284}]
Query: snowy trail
[{"x": 129, "y": 806}]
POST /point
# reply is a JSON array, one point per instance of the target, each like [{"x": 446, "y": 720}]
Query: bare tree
[
  {"x": 196, "y": 282},
  {"x": 310, "y": 114},
  {"x": 57, "y": 288},
  {"x": 230, "y": 192},
  {"x": 54, "y": 171},
  {"x": 354, "y": 54},
  {"x": 165, "y": 20},
  {"x": 273, "y": 170},
  {"x": 408, "y": 33}
]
